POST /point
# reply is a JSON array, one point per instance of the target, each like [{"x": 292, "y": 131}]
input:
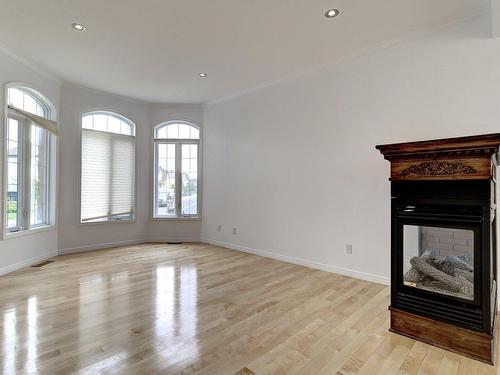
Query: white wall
[
  {"x": 293, "y": 166},
  {"x": 74, "y": 236},
  {"x": 26, "y": 249}
]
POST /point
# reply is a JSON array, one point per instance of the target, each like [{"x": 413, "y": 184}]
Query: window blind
[
  {"x": 108, "y": 173},
  {"x": 41, "y": 122}
]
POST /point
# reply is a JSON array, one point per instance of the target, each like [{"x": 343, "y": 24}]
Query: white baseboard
[
  {"x": 303, "y": 262},
  {"x": 100, "y": 246},
  {"x": 28, "y": 262},
  {"x": 172, "y": 239}
]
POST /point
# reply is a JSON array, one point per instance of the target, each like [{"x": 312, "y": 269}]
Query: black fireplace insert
[{"x": 442, "y": 258}]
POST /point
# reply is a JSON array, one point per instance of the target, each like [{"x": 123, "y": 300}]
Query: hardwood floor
[{"x": 196, "y": 308}]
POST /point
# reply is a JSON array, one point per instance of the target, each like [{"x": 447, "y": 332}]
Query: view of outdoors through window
[
  {"x": 189, "y": 202},
  {"x": 13, "y": 188},
  {"x": 166, "y": 180},
  {"x": 39, "y": 141}
]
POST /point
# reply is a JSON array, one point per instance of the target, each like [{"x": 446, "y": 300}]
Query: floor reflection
[
  {"x": 176, "y": 310},
  {"x": 20, "y": 339},
  {"x": 188, "y": 302},
  {"x": 10, "y": 340},
  {"x": 31, "y": 358},
  {"x": 164, "y": 300}
]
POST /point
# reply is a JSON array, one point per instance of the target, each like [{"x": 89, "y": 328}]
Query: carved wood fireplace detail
[{"x": 443, "y": 242}]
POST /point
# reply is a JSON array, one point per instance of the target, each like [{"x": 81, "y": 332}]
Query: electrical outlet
[
  {"x": 348, "y": 249},
  {"x": 234, "y": 230},
  {"x": 219, "y": 228}
]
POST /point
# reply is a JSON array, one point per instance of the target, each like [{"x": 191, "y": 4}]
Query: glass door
[{"x": 439, "y": 259}]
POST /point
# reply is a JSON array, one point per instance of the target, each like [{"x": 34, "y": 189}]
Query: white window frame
[
  {"x": 178, "y": 170},
  {"x": 115, "y": 218},
  {"x": 24, "y": 168}
]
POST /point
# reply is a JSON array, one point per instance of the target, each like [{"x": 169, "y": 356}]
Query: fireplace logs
[{"x": 452, "y": 275}]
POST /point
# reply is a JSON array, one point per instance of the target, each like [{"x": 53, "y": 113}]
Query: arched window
[
  {"x": 108, "y": 122},
  {"x": 30, "y": 101},
  {"x": 31, "y": 157},
  {"x": 108, "y": 168},
  {"x": 177, "y": 130},
  {"x": 176, "y": 170}
]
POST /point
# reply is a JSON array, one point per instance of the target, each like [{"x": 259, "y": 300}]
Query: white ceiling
[{"x": 154, "y": 49}]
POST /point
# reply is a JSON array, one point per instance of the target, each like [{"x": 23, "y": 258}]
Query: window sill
[
  {"x": 28, "y": 232},
  {"x": 194, "y": 218},
  {"x": 108, "y": 222}
]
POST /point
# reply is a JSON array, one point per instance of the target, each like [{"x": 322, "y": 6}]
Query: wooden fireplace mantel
[{"x": 471, "y": 158}]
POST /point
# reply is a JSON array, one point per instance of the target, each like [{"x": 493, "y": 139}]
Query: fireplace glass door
[{"x": 439, "y": 260}]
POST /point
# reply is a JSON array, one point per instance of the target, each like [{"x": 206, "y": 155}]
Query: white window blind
[{"x": 108, "y": 176}]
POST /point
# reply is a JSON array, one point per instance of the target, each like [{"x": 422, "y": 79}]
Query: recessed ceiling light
[
  {"x": 203, "y": 75},
  {"x": 332, "y": 13},
  {"x": 78, "y": 26}
]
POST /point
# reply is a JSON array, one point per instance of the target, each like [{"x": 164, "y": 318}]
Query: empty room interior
[{"x": 249, "y": 187}]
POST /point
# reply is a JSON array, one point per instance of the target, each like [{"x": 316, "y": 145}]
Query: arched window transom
[
  {"x": 177, "y": 130},
  {"x": 108, "y": 122},
  {"x": 30, "y": 101}
]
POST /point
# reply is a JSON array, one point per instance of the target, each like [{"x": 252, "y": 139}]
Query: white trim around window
[
  {"x": 30, "y": 195},
  {"x": 176, "y": 148},
  {"x": 119, "y": 132}
]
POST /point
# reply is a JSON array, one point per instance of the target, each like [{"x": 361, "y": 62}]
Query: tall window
[
  {"x": 108, "y": 168},
  {"x": 176, "y": 170},
  {"x": 30, "y": 152}
]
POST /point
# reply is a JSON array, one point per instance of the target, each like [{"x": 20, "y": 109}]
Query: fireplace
[{"x": 443, "y": 246}]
